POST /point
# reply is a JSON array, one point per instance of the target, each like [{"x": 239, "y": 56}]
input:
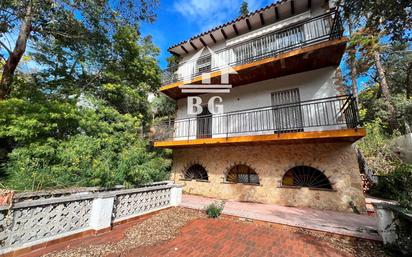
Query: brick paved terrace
[
  {"x": 188, "y": 232},
  {"x": 349, "y": 224}
]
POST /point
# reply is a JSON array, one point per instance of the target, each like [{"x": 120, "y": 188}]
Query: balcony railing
[
  {"x": 315, "y": 115},
  {"x": 321, "y": 28}
]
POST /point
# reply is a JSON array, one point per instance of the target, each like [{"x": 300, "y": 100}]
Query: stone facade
[{"x": 337, "y": 161}]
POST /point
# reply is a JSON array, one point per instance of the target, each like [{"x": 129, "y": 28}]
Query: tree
[
  {"x": 244, "y": 8},
  {"x": 77, "y": 120},
  {"x": 393, "y": 17},
  {"x": 70, "y": 23},
  {"x": 370, "y": 48},
  {"x": 375, "y": 20}
]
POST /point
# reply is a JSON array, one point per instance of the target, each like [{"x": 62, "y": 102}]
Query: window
[
  {"x": 204, "y": 64},
  {"x": 242, "y": 174},
  {"x": 304, "y": 176},
  {"x": 196, "y": 171}
]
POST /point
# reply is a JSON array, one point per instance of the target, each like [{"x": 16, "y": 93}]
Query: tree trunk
[
  {"x": 408, "y": 82},
  {"x": 353, "y": 71},
  {"x": 385, "y": 91},
  {"x": 15, "y": 56}
]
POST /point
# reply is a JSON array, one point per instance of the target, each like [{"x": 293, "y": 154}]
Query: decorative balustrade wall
[
  {"x": 29, "y": 222},
  {"x": 130, "y": 204}
]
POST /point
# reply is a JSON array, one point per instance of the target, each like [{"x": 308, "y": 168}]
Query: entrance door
[
  {"x": 287, "y": 113},
  {"x": 204, "y": 124}
]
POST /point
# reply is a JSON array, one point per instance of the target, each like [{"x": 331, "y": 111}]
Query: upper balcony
[
  {"x": 308, "y": 44},
  {"x": 329, "y": 119}
]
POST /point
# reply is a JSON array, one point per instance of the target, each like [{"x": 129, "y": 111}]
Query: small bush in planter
[{"x": 214, "y": 209}]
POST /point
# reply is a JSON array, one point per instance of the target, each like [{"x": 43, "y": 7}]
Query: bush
[
  {"x": 84, "y": 161},
  {"x": 377, "y": 148},
  {"x": 214, "y": 209},
  {"x": 102, "y": 149},
  {"x": 396, "y": 185}
]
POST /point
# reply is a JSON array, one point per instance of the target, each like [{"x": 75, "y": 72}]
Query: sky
[{"x": 179, "y": 20}]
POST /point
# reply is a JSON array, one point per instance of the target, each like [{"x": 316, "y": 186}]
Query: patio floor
[
  {"x": 348, "y": 224},
  {"x": 198, "y": 235}
]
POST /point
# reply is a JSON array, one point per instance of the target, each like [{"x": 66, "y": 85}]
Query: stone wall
[{"x": 336, "y": 160}]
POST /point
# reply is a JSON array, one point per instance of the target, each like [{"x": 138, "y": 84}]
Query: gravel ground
[
  {"x": 166, "y": 225},
  {"x": 161, "y": 227}
]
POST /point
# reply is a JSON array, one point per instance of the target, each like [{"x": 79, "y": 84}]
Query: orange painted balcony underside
[{"x": 342, "y": 135}]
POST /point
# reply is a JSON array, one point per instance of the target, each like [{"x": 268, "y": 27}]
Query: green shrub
[
  {"x": 396, "y": 185},
  {"x": 214, "y": 209},
  {"x": 84, "y": 161},
  {"x": 104, "y": 149},
  {"x": 377, "y": 148}
]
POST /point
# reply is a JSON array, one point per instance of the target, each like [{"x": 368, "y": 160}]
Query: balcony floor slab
[{"x": 342, "y": 135}]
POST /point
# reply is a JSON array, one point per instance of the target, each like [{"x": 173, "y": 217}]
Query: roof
[{"x": 234, "y": 21}]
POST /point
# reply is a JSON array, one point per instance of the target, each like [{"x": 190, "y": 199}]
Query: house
[{"x": 286, "y": 132}]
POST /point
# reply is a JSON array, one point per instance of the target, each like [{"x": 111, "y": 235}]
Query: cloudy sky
[{"x": 179, "y": 20}]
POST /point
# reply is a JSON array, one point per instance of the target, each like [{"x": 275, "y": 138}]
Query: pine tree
[{"x": 244, "y": 8}]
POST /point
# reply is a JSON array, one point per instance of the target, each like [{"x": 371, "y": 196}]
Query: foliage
[
  {"x": 396, "y": 185},
  {"x": 77, "y": 119},
  {"x": 163, "y": 106},
  {"x": 378, "y": 150},
  {"x": 214, "y": 209},
  {"x": 77, "y": 32},
  {"x": 244, "y": 8},
  {"x": 393, "y": 16},
  {"x": 103, "y": 150}
]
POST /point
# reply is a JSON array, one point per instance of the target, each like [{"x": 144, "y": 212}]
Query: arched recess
[
  {"x": 305, "y": 176},
  {"x": 242, "y": 173},
  {"x": 195, "y": 171}
]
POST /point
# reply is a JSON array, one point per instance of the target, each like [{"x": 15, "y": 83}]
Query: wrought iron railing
[
  {"x": 330, "y": 113},
  {"x": 321, "y": 28}
]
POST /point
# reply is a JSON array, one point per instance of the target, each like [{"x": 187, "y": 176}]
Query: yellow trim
[
  {"x": 295, "y": 137},
  {"x": 263, "y": 61}
]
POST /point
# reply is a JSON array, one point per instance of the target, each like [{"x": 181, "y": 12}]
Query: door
[
  {"x": 287, "y": 114},
  {"x": 204, "y": 124}
]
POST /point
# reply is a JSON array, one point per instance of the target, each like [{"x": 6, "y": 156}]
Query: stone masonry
[{"x": 336, "y": 160}]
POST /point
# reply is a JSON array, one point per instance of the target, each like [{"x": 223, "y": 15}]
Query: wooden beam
[
  {"x": 224, "y": 33},
  {"x": 309, "y": 4},
  {"x": 235, "y": 29},
  {"x": 213, "y": 38},
  {"x": 341, "y": 135},
  {"x": 184, "y": 49},
  {"x": 262, "y": 20},
  {"x": 248, "y": 24},
  {"x": 174, "y": 53},
  {"x": 276, "y": 13},
  {"x": 282, "y": 64},
  {"x": 203, "y": 42},
  {"x": 193, "y": 45},
  {"x": 292, "y": 7}
]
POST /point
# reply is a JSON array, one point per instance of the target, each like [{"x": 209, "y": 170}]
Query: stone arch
[
  {"x": 242, "y": 173},
  {"x": 195, "y": 170},
  {"x": 306, "y": 176}
]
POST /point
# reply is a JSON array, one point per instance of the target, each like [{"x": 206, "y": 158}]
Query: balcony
[
  {"x": 311, "y": 44},
  {"x": 321, "y": 120}
]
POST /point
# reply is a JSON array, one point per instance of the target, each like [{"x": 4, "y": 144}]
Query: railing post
[
  {"x": 176, "y": 195},
  {"x": 188, "y": 130},
  {"x": 101, "y": 214},
  {"x": 227, "y": 125}
]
